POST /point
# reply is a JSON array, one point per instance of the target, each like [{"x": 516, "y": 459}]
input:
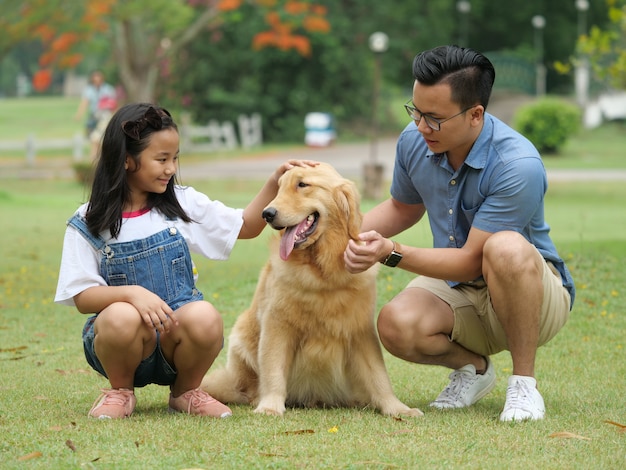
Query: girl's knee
[
  {"x": 201, "y": 322},
  {"x": 119, "y": 318}
]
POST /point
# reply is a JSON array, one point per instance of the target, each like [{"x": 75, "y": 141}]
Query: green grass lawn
[
  {"x": 44, "y": 117},
  {"x": 47, "y": 387},
  {"x": 603, "y": 147}
]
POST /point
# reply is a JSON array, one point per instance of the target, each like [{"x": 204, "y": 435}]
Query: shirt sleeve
[
  {"x": 408, "y": 158},
  {"x": 79, "y": 268},
  {"x": 513, "y": 195},
  {"x": 215, "y": 227}
]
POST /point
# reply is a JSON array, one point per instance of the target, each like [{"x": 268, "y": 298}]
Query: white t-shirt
[{"x": 212, "y": 234}]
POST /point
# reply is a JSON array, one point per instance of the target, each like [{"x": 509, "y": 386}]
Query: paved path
[{"x": 348, "y": 158}]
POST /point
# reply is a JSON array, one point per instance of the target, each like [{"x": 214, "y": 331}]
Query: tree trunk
[
  {"x": 139, "y": 54},
  {"x": 135, "y": 55}
]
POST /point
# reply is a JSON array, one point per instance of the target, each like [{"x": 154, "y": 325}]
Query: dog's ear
[{"x": 349, "y": 201}]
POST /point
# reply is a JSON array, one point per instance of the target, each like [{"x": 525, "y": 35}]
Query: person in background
[
  {"x": 98, "y": 102},
  {"x": 493, "y": 280},
  {"x": 126, "y": 261}
]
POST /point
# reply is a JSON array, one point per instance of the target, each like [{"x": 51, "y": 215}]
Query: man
[{"x": 493, "y": 280}]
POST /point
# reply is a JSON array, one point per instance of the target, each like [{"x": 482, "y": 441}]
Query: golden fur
[{"x": 308, "y": 338}]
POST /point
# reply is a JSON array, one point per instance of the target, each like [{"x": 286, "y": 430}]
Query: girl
[{"x": 126, "y": 258}]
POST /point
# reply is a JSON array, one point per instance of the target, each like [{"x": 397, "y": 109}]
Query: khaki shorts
[{"x": 476, "y": 326}]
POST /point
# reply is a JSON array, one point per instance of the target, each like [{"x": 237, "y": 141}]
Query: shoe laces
[
  {"x": 197, "y": 398},
  {"x": 518, "y": 395},
  {"x": 459, "y": 381},
  {"x": 116, "y": 396}
]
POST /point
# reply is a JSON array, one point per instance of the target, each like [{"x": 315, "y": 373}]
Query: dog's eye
[{"x": 302, "y": 184}]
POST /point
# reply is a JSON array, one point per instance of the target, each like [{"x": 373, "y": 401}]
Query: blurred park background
[
  {"x": 274, "y": 61},
  {"x": 215, "y": 62}
]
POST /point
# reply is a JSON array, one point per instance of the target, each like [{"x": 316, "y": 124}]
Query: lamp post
[
  {"x": 373, "y": 171},
  {"x": 539, "y": 23},
  {"x": 581, "y": 72},
  {"x": 582, "y": 6},
  {"x": 463, "y": 7}
]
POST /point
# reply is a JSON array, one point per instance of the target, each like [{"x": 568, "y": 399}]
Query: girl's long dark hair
[{"x": 128, "y": 134}]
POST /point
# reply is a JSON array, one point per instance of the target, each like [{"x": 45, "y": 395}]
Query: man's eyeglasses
[{"x": 433, "y": 123}]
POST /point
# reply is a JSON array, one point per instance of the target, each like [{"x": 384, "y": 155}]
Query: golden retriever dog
[{"x": 309, "y": 338}]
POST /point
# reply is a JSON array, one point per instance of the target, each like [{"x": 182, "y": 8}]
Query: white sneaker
[
  {"x": 523, "y": 400},
  {"x": 466, "y": 387}
]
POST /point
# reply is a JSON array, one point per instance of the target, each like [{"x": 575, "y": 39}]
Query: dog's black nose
[{"x": 269, "y": 214}]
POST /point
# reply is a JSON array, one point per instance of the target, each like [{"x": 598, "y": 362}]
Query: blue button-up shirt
[{"x": 500, "y": 186}]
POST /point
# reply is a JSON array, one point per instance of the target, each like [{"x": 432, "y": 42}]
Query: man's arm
[
  {"x": 454, "y": 264},
  {"x": 392, "y": 217}
]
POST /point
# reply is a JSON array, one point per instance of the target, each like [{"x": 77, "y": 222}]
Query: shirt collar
[
  {"x": 477, "y": 158},
  {"x": 133, "y": 214}
]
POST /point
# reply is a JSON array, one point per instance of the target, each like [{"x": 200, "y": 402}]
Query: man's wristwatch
[{"x": 393, "y": 258}]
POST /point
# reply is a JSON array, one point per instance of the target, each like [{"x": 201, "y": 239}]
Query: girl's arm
[{"x": 253, "y": 223}]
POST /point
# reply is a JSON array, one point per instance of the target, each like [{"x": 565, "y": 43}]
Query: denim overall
[{"x": 162, "y": 264}]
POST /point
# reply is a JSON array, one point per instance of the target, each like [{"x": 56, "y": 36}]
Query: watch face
[{"x": 393, "y": 260}]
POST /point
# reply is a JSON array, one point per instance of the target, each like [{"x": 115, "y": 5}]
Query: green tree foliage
[
  {"x": 606, "y": 47},
  {"x": 507, "y": 26},
  {"x": 190, "y": 54},
  {"x": 144, "y": 34},
  {"x": 219, "y": 76}
]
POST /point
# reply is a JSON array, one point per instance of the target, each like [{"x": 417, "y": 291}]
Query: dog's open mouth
[{"x": 297, "y": 234}]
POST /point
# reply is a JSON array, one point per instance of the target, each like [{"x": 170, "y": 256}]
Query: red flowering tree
[{"x": 143, "y": 34}]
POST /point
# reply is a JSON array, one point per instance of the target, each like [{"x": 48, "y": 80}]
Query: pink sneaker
[
  {"x": 199, "y": 402},
  {"x": 114, "y": 403}
]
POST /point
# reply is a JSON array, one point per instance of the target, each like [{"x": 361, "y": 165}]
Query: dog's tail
[{"x": 224, "y": 385}]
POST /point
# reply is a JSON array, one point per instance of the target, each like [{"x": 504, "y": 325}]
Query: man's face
[{"x": 457, "y": 128}]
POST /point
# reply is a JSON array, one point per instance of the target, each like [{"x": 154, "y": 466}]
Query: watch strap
[{"x": 394, "y": 257}]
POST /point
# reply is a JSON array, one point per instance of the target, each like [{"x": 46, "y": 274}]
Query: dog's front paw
[
  {"x": 271, "y": 407},
  {"x": 268, "y": 411},
  {"x": 412, "y": 412},
  {"x": 402, "y": 411}
]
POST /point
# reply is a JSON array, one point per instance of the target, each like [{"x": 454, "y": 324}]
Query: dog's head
[{"x": 313, "y": 203}]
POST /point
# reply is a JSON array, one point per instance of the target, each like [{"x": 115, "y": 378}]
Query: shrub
[
  {"x": 548, "y": 123},
  {"x": 84, "y": 172}
]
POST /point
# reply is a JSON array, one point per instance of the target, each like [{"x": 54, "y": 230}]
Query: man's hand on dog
[{"x": 367, "y": 251}]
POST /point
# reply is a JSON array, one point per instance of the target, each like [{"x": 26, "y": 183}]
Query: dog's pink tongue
[{"x": 287, "y": 241}]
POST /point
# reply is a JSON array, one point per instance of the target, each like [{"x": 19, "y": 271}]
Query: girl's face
[{"x": 158, "y": 164}]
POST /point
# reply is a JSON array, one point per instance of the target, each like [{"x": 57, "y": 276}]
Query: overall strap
[{"x": 80, "y": 224}]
